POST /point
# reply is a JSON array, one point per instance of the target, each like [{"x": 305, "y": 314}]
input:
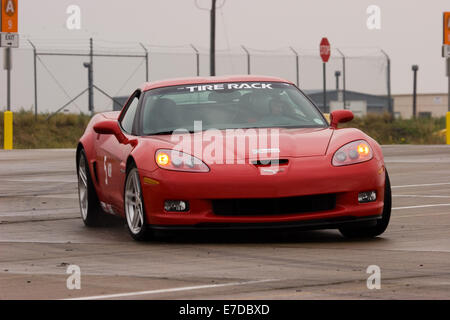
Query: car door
[{"x": 114, "y": 156}]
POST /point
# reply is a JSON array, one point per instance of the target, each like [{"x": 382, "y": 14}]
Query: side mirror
[
  {"x": 340, "y": 116},
  {"x": 111, "y": 127}
]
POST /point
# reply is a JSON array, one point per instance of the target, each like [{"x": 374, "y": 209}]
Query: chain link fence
[{"x": 50, "y": 75}]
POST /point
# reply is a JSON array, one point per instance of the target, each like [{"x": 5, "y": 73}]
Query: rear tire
[
  {"x": 134, "y": 206},
  {"x": 91, "y": 212},
  {"x": 381, "y": 224}
]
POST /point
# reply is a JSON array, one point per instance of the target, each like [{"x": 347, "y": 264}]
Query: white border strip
[
  {"x": 140, "y": 293},
  {"x": 422, "y": 185},
  {"x": 424, "y": 206},
  {"x": 419, "y": 196},
  {"x": 408, "y": 215}
]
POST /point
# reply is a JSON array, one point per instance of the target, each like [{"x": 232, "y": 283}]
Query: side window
[{"x": 128, "y": 118}]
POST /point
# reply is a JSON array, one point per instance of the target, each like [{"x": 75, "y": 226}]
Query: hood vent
[{"x": 270, "y": 162}]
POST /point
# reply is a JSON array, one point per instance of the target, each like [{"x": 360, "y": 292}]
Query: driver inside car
[{"x": 279, "y": 112}]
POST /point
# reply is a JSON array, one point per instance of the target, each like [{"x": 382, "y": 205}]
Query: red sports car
[{"x": 241, "y": 152}]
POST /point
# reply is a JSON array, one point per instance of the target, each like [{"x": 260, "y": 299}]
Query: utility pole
[
  {"x": 212, "y": 46},
  {"x": 212, "y": 53},
  {"x": 414, "y": 69}
]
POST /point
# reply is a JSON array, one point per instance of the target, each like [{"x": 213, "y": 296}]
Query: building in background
[
  {"x": 358, "y": 102},
  {"x": 119, "y": 102},
  {"x": 428, "y": 105}
]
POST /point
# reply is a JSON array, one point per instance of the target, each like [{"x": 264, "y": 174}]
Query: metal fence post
[
  {"x": 91, "y": 75},
  {"x": 297, "y": 71},
  {"x": 35, "y": 78},
  {"x": 390, "y": 106},
  {"x": 248, "y": 58},
  {"x": 88, "y": 65},
  {"x": 146, "y": 61},
  {"x": 197, "y": 56}
]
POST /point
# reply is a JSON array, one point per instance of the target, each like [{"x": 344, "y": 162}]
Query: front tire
[
  {"x": 91, "y": 212},
  {"x": 134, "y": 206},
  {"x": 381, "y": 224}
]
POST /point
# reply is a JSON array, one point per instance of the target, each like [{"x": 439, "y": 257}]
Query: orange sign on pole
[
  {"x": 10, "y": 16},
  {"x": 446, "y": 28}
]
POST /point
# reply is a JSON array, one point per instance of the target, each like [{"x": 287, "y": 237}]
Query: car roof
[{"x": 197, "y": 80}]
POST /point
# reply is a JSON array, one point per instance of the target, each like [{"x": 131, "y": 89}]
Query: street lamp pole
[
  {"x": 414, "y": 69},
  {"x": 337, "y": 74}
]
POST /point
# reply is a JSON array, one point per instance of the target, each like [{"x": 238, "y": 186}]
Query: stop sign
[{"x": 324, "y": 49}]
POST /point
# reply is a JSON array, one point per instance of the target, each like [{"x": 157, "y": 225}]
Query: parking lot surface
[{"x": 41, "y": 234}]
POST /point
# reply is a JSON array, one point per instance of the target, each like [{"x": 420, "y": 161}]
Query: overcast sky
[{"x": 411, "y": 31}]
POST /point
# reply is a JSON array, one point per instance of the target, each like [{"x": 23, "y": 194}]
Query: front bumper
[
  {"x": 297, "y": 225},
  {"x": 301, "y": 177}
]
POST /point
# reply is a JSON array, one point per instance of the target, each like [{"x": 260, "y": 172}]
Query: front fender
[{"x": 345, "y": 135}]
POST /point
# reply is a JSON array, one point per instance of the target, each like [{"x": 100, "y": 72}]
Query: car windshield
[{"x": 229, "y": 105}]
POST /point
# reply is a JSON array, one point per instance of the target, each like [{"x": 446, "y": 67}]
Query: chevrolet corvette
[{"x": 236, "y": 152}]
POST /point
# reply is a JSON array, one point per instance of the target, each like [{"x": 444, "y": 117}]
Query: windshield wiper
[
  {"x": 171, "y": 132},
  {"x": 160, "y": 133}
]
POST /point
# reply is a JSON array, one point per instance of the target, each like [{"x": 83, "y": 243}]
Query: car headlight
[
  {"x": 179, "y": 161},
  {"x": 353, "y": 152}
]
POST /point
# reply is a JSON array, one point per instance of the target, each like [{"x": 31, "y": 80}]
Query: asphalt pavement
[{"x": 41, "y": 235}]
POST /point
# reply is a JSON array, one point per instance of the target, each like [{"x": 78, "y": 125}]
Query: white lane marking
[
  {"x": 419, "y": 196},
  {"x": 421, "y": 215},
  {"x": 423, "y": 206},
  {"x": 440, "y": 160},
  {"x": 52, "y": 241},
  {"x": 71, "y": 180},
  {"x": 58, "y": 196},
  {"x": 140, "y": 293},
  {"x": 422, "y": 185},
  {"x": 39, "y": 212}
]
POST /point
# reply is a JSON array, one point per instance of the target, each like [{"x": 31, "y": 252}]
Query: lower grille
[{"x": 274, "y": 206}]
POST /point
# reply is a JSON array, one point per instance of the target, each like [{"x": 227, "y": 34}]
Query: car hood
[{"x": 304, "y": 142}]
